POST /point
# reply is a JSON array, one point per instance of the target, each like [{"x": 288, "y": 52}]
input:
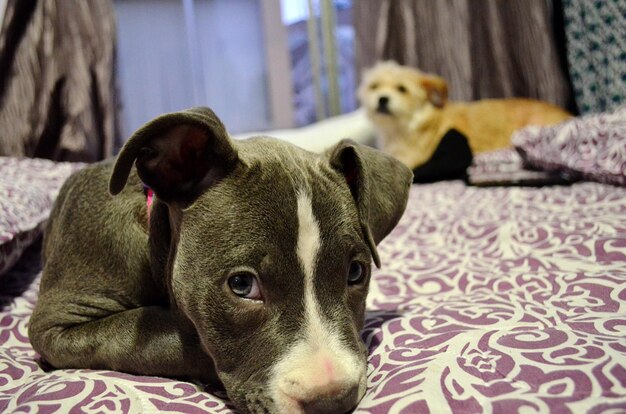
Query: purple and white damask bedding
[
  {"x": 28, "y": 188},
  {"x": 489, "y": 300}
]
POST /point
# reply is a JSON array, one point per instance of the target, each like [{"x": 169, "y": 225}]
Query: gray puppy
[{"x": 251, "y": 271}]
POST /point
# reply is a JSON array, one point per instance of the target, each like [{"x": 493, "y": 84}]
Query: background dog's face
[
  {"x": 270, "y": 257},
  {"x": 393, "y": 93}
]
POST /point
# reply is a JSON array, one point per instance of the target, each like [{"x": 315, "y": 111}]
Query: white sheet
[{"x": 321, "y": 135}]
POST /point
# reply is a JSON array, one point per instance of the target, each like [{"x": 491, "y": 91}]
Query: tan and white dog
[{"x": 411, "y": 112}]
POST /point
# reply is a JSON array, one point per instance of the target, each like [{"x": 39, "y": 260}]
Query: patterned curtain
[
  {"x": 483, "y": 48},
  {"x": 596, "y": 51},
  {"x": 57, "y": 83}
]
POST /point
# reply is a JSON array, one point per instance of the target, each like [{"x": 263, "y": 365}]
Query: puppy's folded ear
[
  {"x": 178, "y": 155},
  {"x": 379, "y": 185},
  {"x": 436, "y": 89}
]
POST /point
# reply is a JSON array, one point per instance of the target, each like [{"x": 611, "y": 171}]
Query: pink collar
[{"x": 149, "y": 201}]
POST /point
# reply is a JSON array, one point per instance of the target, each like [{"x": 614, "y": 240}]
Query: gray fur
[{"x": 120, "y": 294}]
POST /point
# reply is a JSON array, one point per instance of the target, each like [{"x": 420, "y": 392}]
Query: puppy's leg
[{"x": 148, "y": 340}]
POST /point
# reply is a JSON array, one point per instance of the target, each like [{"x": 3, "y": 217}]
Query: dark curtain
[
  {"x": 483, "y": 48},
  {"x": 57, "y": 79}
]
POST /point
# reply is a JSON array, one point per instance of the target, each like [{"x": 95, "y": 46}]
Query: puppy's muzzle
[
  {"x": 333, "y": 403},
  {"x": 383, "y": 105},
  {"x": 330, "y": 399}
]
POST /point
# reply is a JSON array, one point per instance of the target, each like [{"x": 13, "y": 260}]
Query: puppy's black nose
[
  {"x": 333, "y": 404},
  {"x": 383, "y": 105}
]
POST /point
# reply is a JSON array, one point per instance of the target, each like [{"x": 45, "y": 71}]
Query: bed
[{"x": 490, "y": 300}]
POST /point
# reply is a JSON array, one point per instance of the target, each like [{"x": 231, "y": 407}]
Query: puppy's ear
[
  {"x": 379, "y": 185},
  {"x": 178, "y": 155},
  {"x": 436, "y": 89}
]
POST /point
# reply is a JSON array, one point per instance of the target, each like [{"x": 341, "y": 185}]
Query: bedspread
[{"x": 489, "y": 300}]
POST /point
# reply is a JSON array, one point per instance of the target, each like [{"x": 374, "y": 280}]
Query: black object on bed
[{"x": 450, "y": 160}]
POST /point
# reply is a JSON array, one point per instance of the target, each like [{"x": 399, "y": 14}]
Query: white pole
[
  {"x": 330, "y": 52},
  {"x": 314, "y": 55},
  {"x": 194, "y": 50}
]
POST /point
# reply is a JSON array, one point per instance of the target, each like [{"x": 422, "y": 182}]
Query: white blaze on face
[
  {"x": 308, "y": 236},
  {"x": 319, "y": 364}
]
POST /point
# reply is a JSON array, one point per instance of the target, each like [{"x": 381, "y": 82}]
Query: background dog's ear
[
  {"x": 178, "y": 155},
  {"x": 436, "y": 89},
  {"x": 379, "y": 185}
]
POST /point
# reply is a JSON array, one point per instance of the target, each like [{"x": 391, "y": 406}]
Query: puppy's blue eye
[
  {"x": 245, "y": 285},
  {"x": 356, "y": 273},
  {"x": 402, "y": 89}
]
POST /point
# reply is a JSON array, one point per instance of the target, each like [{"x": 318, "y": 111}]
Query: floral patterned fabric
[
  {"x": 489, "y": 300},
  {"x": 28, "y": 188},
  {"x": 591, "y": 147}
]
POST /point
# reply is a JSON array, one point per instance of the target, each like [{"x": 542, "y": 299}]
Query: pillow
[
  {"x": 28, "y": 188},
  {"x": 592, "y": 147},
  {"x": 321, "y": 135}
]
